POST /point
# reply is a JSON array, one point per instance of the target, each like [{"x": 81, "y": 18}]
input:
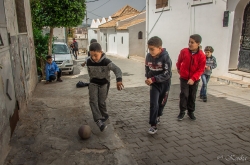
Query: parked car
[{"x": 63, "y": 57}]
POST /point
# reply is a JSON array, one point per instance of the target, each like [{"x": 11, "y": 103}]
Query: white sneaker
[{"x": 152, "y": 130}]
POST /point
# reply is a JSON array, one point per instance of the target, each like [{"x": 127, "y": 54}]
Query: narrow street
[{"x": 47, "y": 131}]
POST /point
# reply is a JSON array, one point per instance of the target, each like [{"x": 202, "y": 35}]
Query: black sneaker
[
  {"x": 105, "y": 119},
  {"x": 181, "y": 116},
  {"x": 204, "y": 99},
  {"x": 101, "y": 125},
  {"x": 191, "y": 116}
]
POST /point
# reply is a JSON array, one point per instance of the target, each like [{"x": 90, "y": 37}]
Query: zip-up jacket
[
  {"x": 191, "y": 65},
  {"x": 158, "y": 68},
  {"x": 99, "y": 72},
  {"x": 50, "y": 69},
  {"x": 211, "y": 62}
]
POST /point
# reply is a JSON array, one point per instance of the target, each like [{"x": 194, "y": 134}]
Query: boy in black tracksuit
[{"x": 158, "y": 73}]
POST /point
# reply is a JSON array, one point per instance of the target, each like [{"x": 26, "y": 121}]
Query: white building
[
  {"x": 124, "y": 35},
  {"x": 219, "y": 22},
  {"x": 93, "y": 31}
]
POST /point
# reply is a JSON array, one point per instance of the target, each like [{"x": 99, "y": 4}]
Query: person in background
[{"x": 210, "y": 65}]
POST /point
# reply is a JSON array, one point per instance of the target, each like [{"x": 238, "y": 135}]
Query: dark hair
[
  {"x": 96, "y": 47},
  {"x": 155, "y": 41},
  {"x": 196, "y": 37},
  {"x": 93, "y": 41},
  {"x": 209, "y": 48},
  {"x": 48, "y": 57}
]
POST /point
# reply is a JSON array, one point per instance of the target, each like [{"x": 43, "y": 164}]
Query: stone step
[
  {"x": 234, "y": 82},
  {"x": 239, "y": 75}
]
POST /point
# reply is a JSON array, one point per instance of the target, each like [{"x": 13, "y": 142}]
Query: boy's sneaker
[
  {"x": 101, "y": 125},
  {"x": 59, "y": 80},
  {"x": 181, "y": 116},
  {"x": 204, "y": 99},
  {"x": 158, "y": 120},
  {"x": 191, "y": 116},
  {"x": 105, "y": 119},
  {"x": 152, "y": 130}
]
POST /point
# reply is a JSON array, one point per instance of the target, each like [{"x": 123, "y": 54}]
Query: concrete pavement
[{"x": 47, "y": 131}]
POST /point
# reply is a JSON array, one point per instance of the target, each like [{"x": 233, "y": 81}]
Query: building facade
[
  {"x": 223, "y": 24},
  {"x": 18, "y": 71}
]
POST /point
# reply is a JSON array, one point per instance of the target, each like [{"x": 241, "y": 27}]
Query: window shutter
[{"x": 158, "y": 4}]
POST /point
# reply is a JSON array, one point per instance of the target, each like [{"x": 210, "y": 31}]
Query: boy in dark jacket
[
  {"x": 52, "y": 71},
  {"x": 99, "y": 68},
  {"x": 158, "y": 73},
  {"x": 210, "y": 65},
  {"x": 190, "y": 65}
]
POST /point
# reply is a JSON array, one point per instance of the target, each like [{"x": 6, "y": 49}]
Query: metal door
[{"x": 244, "y": 54}]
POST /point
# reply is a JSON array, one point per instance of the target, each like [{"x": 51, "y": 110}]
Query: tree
[
  {"x": 41, "y": 49},
  {"x": 57, "y": 13}
]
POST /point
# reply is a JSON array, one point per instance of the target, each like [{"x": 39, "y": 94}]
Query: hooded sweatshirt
[
  {"x": 158, "y": 68},
  {"x": 211, "y": 62},
  {"x": 51, "y": 69},
  {"x": 99, "y": 72}
]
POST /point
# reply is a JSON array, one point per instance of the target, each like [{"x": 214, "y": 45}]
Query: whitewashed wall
[
  {"x": 122, "y": 48},
  {"x": 181, "y": 20},
  {"x": 137, "y": 46}
]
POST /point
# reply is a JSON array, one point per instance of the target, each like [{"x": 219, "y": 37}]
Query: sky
[{"x": 108, "y": 7}]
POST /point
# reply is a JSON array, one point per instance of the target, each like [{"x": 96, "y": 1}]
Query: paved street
[{"x": 47, "y": 131}]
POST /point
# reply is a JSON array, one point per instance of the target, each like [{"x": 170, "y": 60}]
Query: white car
[{"x": 63, "y": 57}]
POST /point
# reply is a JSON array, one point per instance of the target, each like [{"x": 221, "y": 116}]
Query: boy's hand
[
  {"x": 83, "y": 64},
  {"x": 207, "y": 67},
  {"x": 119, "y": 85},
  {"x": 190, "y": 82},
  {"x": 178, "y": 71},
  {"x": 149, "y": 81}
]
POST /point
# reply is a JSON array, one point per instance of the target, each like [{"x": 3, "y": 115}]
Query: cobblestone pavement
[{"x": 47, "y": 131}]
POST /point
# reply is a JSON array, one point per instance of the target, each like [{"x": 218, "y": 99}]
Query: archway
[{"x": 237, "y": 33}]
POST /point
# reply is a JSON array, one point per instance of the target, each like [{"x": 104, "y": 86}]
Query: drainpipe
[{"x": 147, "y": 26}]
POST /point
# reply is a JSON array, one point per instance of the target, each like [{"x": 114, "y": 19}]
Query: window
[
  {"x": 114, "y": 39},
  {"x": 122, "y": 40},
  {"x": 140, "y": 35},
  {"x": 161, "y": 4},
  {"x": 21, "y": 19}
]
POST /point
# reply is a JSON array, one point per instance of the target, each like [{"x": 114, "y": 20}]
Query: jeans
[
  {"x": 158, "y": 99},
  {"x": 188, "y": 96},
  {"x": 205, "y": 78},
  {"x": 53, "y": 77}
]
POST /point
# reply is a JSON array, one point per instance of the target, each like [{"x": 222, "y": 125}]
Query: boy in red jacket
[{"x": 190, "y": 65}]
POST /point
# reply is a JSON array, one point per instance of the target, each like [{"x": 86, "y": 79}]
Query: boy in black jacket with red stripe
[{"x": 158, "y": 73}]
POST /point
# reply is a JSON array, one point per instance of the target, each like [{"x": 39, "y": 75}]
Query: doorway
[{"x": 244, "y": 53}]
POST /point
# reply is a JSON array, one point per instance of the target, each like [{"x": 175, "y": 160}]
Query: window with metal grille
[
  {"x": 140, "y": 35},
  {"x": 161, "y": 3},
  {"x": 21, "y": 19}
]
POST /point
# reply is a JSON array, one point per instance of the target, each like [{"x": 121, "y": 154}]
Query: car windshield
[{"x": 60, "y": 49}]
